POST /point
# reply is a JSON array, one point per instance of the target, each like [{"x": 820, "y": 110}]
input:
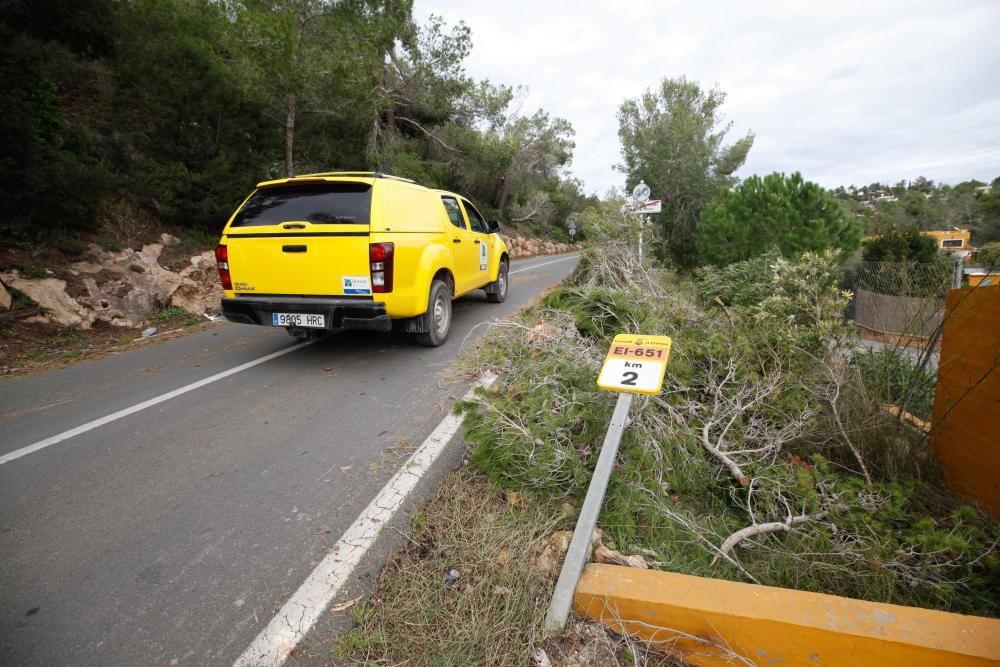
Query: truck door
[
  {"x": 464, "y": 249},
  {"x": 481, "y": 240}
]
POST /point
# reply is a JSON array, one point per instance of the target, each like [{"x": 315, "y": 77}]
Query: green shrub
[
  {"x": 787, "y": 214},
  {"x": 988, "y": 256},
  {"x": 894, "y": 378},
  {"x": 896, "y": 246}
]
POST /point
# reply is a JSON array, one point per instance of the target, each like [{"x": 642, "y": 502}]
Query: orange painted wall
[
  {"x": 966, "y": 427},
  {"x": 697, "y": 617}
]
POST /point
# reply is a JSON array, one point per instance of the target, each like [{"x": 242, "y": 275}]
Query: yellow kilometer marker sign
[{"x": 636, "y": 364}]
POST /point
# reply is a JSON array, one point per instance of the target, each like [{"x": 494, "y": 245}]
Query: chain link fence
[{"x": 898, "y": 300}]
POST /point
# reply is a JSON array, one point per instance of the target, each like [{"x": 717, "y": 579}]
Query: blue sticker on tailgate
[{"x": 356, "y": 284}]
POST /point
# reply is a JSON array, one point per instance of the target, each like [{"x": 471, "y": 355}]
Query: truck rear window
[{"x": 320, "y": 204}]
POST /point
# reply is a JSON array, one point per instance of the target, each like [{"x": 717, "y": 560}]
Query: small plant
[
  {"x": 894, "y": 378},
  {"x": 171, "y": 313},
  {"x": 19, "y": 299},
  {"x": 110, "y": 244},
  {"x": 200, "y": 238},
  {"x": 71, "y": 245},
  {"x": 35, "y": 271}
]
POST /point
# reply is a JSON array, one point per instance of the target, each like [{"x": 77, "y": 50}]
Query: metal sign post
[
  {"x": 639, "y": 204},
  {"x": 634, "y": 365}
]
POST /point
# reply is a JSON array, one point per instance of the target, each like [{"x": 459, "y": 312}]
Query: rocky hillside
[
  {"x": 125, "y": 288},
  {"x": 121, "y": 288}
]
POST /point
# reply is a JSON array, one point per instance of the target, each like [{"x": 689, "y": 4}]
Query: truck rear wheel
[{"x": 438, "y": 315}]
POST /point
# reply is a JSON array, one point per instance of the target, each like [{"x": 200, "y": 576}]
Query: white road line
[
  {"x": 272, "y": 646},
  {"x": 535, "y": 266},
  {"x": 114, "y": 416}
]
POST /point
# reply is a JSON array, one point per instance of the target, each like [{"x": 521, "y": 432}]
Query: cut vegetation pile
[{"x": 769, "y": 456}]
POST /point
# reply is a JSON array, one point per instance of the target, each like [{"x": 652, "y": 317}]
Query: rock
[
  {"x": 127, "y": 286},
  {"x": 451, "y": 577},
  {"x": 5, "y": 298},
  {"x": 146, "y": 333},
  {"x": 200, "y": 291},
  {"x": 549, "y": 562},
  {"x": 123, "y": 288},
  {"x": 603, "y": 554},
  {"x": 50, "y": 295}
]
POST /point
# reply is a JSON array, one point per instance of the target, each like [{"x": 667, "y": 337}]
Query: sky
[{"x": 845, "y": 92}]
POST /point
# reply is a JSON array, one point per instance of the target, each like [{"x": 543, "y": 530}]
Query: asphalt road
[{"x": 172, "y": 535}]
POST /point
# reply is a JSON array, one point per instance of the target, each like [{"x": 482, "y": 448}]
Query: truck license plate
[{"x": 305, "y": 320}]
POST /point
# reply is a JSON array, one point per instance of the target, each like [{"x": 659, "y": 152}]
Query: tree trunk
[
  {"x": 502, "y": 196},
  {"x": 289, "y": 134}
]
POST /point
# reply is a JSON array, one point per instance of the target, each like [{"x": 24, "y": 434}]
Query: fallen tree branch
[
  {"x": 734, "y": 469},
  {"x": 428, "y": 133},
  {"x": 764, "y": 528},
  {"x": 832, "y": 401}
]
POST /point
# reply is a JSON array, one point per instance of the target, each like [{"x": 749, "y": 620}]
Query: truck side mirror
[{"x": 493, "y": 227}]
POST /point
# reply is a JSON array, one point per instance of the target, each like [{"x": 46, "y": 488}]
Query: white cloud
[{"x": 846, "y": 92}]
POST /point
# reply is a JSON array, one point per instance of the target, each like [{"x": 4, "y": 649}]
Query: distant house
[
  {"x": 955, "y": 241},
  {"x": 984, "y": 190}
]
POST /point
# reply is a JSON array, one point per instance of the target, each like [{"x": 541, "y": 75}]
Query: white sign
[
  {"x": 356, "y": 284},
  {"x": 653, "y": 206},
  {"x": 642, "y": 377}
]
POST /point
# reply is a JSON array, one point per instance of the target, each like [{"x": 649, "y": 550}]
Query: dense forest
[{"x": 172, "y": 110}]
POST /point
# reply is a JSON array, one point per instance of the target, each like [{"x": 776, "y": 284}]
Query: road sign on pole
[
  {"x": 645, "y": 357},
  {"x": 640, "y": 204}
]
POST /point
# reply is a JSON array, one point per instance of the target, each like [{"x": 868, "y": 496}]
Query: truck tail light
[
  {"x": 222, "y": 259},
  {"x": 381, "y": 256}
]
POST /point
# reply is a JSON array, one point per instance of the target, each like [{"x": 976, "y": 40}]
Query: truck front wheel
[{"x": 496, "y": 291}]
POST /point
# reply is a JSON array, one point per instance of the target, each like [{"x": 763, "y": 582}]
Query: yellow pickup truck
[{"x": 356, "y": 250}]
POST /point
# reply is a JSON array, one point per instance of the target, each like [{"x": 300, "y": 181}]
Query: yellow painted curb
[{"x": 708, "y": 620}]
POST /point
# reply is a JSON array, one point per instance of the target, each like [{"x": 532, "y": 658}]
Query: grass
[
  {"x": 492, "y": 615},
  {"x": 29, "y": 347},
  {"x": 175, "y": 315}
]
